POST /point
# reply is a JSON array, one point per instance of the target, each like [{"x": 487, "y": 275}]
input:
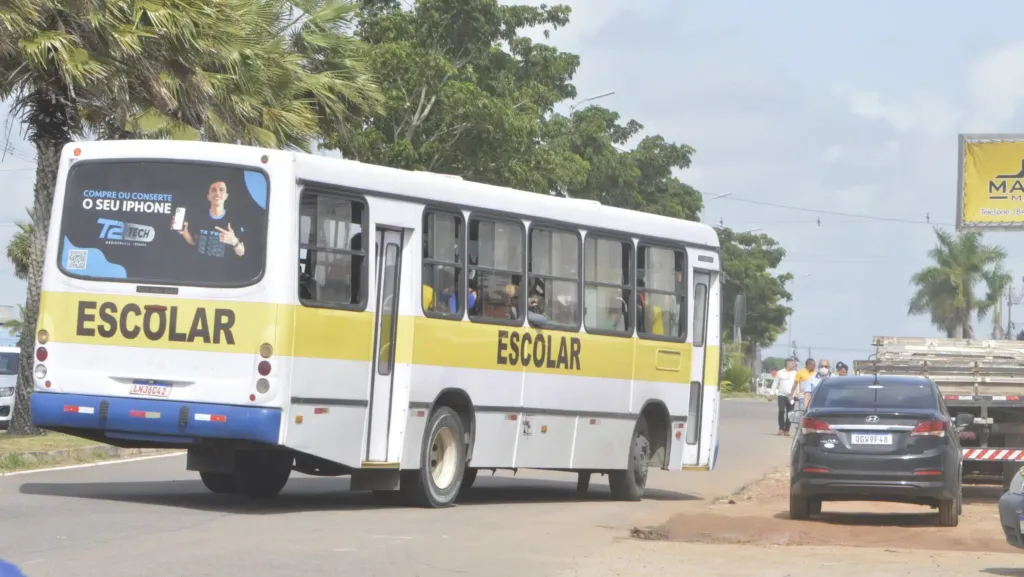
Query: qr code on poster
[{"x": 78, "y": 259}]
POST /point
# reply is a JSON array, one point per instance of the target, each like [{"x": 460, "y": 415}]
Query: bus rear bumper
[{"x": 175, "y": 420}]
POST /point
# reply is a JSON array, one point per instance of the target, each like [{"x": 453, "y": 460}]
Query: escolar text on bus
[
  {"x": 155, "y": 323},
  {"x": 525, "y": 349}
]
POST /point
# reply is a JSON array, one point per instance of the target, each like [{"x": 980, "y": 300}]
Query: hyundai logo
[{"x": 872, "y": 419}]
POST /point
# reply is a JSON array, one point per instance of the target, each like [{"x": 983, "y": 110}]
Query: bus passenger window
[
  {"x": 554, "y": 279},
  {"x": 495, "y": 269},
  {"x": 442, "y": 264},
  {"x": 332, "y": 259},
  {"x": 661, "y": 292},
  {"x": 608, "y": 266}
]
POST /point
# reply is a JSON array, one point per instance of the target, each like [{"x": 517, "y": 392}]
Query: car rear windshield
[
  {"x": 838, "y": 395},
  {"x": 164, "y": 222}
]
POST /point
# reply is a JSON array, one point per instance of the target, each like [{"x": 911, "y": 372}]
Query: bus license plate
[
  {"x": 150, "y": 390},
  {"x": 872, "y": 439}
]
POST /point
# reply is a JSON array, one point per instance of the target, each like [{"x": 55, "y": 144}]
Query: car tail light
[
  {"x": 929, "y": 429},
  {"x": 808, "y": 425}
]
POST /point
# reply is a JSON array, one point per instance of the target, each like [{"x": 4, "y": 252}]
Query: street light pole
[{"x": 572, "y": 107}]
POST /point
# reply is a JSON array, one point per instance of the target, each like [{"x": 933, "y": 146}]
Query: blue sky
[{"x": 848, "y": 107}]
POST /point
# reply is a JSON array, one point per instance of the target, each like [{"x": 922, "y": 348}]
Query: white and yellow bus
[{"x": 272, "y": 311}]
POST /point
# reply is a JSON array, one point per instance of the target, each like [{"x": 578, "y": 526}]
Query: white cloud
[{"x": 996, "y": 88}]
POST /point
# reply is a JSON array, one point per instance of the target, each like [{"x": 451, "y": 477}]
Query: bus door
[
  {"x": 388, "y": 270},
  {"x": 712, "y": 329},
  {"x": 695, "y": 439}
]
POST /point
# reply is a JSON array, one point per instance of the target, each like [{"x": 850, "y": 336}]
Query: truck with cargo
[{"x": 984, "y": 378}]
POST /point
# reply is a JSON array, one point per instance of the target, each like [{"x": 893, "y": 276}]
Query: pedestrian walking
[{"x": 783, "y": 385}]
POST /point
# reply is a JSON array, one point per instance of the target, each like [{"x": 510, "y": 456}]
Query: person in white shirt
[{"x": 783, "y": 385}]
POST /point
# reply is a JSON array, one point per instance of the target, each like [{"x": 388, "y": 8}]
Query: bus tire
[
  {"x": 437, "y": 482},
  {"x": 468, "y": 478},
  {"x": 628, "y": 484},
  {"x": 262, "y": 474},
  {"x": 223, "y": 483}
]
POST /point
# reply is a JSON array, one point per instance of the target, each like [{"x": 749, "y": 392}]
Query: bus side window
[
  {"x": 442, "y": 265},
  {"x": 554, "y": 279},
  {"x": 496, "y": 269},
  {"x": 332, "y": 257},
  {"x": 608, "y": 266},
  {"x": 661, "y": 292}
]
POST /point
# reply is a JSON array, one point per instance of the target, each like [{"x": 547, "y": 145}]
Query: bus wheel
[
  {"x": 218, "y": 482},
  {"x": 442, "y": 462},
  {"x": 468, "y": 478},
  {"x": 628, "y": 484},
  {"x": 262, "y": 474}
]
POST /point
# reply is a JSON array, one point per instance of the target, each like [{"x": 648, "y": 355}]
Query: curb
[{"x": 29, "y": 460}]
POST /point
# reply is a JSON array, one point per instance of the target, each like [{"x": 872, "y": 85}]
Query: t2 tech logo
[{"x": 125, "y": 233}]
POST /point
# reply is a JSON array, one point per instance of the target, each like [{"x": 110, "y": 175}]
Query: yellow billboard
[{"x": 991, "y": 187}]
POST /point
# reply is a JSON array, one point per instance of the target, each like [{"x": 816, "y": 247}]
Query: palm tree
[
  {"x": 247, "y": 71},
  {"x": 997, "y": 281},
  {"x": 946, "y": 289},
  {"x": 18, "y": 250}
]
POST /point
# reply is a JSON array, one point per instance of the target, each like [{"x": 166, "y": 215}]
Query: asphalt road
[{"x": 155, "y": 518}]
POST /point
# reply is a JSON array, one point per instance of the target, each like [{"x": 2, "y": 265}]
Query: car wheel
[
  {"x": 814, "y": 506},
  {"x": 949, "y": 512},
  {"x": 799, "y": 507}
]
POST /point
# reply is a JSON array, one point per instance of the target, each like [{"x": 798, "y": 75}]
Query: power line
[{"x": 836, "y": 213}]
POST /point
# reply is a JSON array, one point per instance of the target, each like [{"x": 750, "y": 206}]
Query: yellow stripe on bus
[{"x": 153, "y": 322}]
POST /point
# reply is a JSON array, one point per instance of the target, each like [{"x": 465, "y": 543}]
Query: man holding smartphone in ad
[{"x": 212, "y": 233}]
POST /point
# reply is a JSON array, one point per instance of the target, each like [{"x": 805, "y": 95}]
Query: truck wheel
[
  {"x": 442, "y": 463},
  {"x": 218, "y": 482},
  {"x": 628, "y": 484},
  {"x": 262, "y": 474},
  {"x": 949, "y": 513}
]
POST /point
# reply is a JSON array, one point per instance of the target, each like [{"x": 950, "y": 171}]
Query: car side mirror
[{"x": 964, "y": 419}]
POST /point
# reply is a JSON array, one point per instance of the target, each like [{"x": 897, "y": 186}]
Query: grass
[
  {"x": 13, "y": 448},
  {"x": 48, "y": 442}
]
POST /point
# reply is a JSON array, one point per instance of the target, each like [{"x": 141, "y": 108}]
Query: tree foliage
[
  {"x": 750, "y": 261},
  {"x": 947, "y": 289}
]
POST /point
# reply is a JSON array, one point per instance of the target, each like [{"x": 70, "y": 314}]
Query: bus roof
[{"x": 420, "y": 186}]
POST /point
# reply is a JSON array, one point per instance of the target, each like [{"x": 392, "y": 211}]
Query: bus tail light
[
  {"x": 43, "y": 337},
  {"x": 262, "y": 386},
  {"x": 263, "y": 368},
  {"x": 41, "y": 354},
  {"x": 40, "y": 372}
]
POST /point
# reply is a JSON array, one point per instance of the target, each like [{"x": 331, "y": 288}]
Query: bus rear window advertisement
[{"x": 163, "y": 222}]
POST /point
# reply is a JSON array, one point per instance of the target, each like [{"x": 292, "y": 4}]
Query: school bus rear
[{"x": 158, "y": 317}]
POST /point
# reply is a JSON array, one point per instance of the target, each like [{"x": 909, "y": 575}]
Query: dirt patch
[{"x": 758, "y": 515}]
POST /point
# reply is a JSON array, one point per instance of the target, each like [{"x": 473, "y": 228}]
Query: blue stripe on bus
[{"x": 243, "y": 423}]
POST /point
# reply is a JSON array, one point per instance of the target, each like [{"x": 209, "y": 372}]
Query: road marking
[
  {"x": 99, "y": 464},
  {"x": 389, "y": 537},
  {"x": 344, "y": 550}
]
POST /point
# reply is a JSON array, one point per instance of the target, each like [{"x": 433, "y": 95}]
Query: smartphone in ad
[{"x": 178, "y": 222}]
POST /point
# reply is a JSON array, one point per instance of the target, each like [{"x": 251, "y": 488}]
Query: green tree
[
  {"x": 946, "y": 290},
  {"x": 773, "y": 364},
  {"x": 465, "y": 92},
  {"x": 750, "y": 261},
  {"x": 997, "y": 281},
  {"x": 250, "y": 71},
  {"x": 638, "y": 179},
  {"x": 19, "y": 248}
]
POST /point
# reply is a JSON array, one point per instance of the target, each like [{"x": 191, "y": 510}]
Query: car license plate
[
  {"x": 872, "y": 439},
  {"x": 148, "y": 389}
]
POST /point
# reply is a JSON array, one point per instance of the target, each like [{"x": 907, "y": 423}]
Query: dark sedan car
[{"x": 876, "y": 439}]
